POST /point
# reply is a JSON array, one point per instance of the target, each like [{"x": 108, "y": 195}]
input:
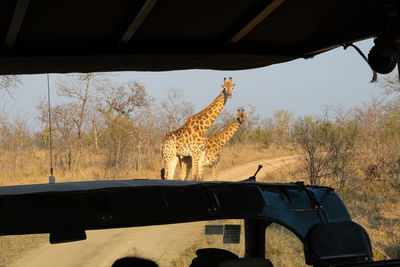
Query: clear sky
[{"x": 339, "y": 77}]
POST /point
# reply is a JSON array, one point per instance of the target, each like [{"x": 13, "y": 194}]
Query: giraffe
[
  {"x": 214, "y": 146},
  {"x": 190, "y": 139}
]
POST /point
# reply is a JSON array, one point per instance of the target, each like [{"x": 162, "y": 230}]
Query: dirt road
[
  {"x": 246, "y": 170},
  {"x": 103, "y": 247}
]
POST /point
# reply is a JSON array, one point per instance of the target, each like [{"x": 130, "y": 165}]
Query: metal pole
[{"x": 52, "y": 179}]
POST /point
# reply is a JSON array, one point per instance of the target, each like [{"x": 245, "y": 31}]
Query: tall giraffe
[
  {"x": 214, "y": 146},
  {"x": 190, "y": 139}
]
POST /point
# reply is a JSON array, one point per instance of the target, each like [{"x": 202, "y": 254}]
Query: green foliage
[
  {"x": 326, "y": 147},
  {"x": 261, "y": 136}
]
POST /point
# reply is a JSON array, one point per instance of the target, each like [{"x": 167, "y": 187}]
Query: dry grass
[
  {"x": 283, "y": 248},
  {"x": 12, "y": 247},
  {"x": 35, "y": 169},
  {"x": 290, "y": 172},
  {"x": 91, "y": 166},
  {"x": 374, "y": 205},
  {"x": 210, "y": 241}
]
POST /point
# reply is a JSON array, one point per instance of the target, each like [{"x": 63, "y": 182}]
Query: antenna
[
  {"x": 253, "y": 178},
  {"x": 52, "y": 179}
]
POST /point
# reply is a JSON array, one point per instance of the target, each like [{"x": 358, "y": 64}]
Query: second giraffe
[{"x": 214, "y": 146}]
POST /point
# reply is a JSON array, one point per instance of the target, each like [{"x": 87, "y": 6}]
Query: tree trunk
[
  {"x": 69, "y": 160},
  {"x": 138, "y": 156},
  {"x": 82, "y": 113},
  {"x": 96, "y": 140}
]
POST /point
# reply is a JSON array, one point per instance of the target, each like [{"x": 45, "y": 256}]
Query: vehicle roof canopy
[{"x": 150, "y": 35}]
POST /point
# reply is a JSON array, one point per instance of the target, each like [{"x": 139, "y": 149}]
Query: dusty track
[
  {"x": 159, "y": 243},
  {"x": 246, "y": 170}
]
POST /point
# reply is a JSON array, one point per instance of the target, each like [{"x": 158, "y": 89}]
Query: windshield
[
  {"x": 175, "y": 245},
  {"x": 166, "y": 245}
]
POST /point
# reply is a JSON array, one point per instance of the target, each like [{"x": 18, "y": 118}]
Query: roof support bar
[
  {"x": 144, "y": 11},
  {"x": 255, "y": 21},
  {"x": 15, "y": 25}
]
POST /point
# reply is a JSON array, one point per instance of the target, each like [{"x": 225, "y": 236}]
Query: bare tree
[
  {"x": 308, "y": 139},
  {"x": 120, "y": 108},
  {"x": 281, "y": 124},
  {"x": 64, "y": 127},
  {"x": 8, "y": 82},
  {"x": 372, "y": 150},
  {"x": 176, "y": 108},
  {"x": 390, "y": 130},
  {"x": 341, "y": 137},
  {"x": 391, "y": 85},
  {"x": 16, "y": 147},
  {"x": 79, "y": 88},
  {"x": 123, "y": 99},
  {"x": 326, "y": 146}
]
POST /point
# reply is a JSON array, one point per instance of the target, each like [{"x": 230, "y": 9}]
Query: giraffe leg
[
  {"x": 214, "y": 173},
  {"x": 199, "y": 159},
  {"x": 214, "y": 169},
  {"x": 195, "y": 167},
  {"x": 186, "y": 167},
  {"x": 170, "y": 168},
  {"x": 183, "y": 168},
  {"x": 201, "y": 170}
]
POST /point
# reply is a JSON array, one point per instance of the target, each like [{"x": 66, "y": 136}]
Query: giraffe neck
[
  {"x": 220, "y": 139},
  {"x": 203, "y": 120}
]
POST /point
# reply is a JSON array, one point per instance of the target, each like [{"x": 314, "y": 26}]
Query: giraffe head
[
  {"x": 228, "y": 86},
  {"x": 241, "y": 116}
]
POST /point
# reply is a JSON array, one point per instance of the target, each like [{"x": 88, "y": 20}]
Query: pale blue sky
[{"x": 339, "y": 77}]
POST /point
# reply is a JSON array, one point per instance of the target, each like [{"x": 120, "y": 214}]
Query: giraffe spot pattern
[{"x": 188, "y": 139}]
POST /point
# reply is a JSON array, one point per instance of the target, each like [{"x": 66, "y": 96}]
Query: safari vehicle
[
  {"x": 149, "y": 35},
  {"x": 316, "y": 215}
]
